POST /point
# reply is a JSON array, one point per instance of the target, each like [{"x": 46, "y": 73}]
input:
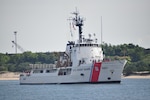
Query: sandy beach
[
  {"x": 15, "y": 76},
  {"x": 137, "y": 76},
  {"x": 9, "y": 76}
]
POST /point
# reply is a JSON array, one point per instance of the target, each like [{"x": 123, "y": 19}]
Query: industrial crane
[{"x": 18, "y": 46}]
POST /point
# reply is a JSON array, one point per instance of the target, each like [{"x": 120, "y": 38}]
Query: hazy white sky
[{"x": 42, "y": 25}]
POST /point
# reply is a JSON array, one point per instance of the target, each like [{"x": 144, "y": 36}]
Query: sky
[{"x": 42, "y": 25}]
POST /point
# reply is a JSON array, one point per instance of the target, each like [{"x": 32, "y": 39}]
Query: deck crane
[{"x": 18, "y": 46}]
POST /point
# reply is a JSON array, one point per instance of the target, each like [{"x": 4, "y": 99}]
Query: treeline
[
  {"x": 20, "y": 62},
  {"x": 138, "y": 58}
]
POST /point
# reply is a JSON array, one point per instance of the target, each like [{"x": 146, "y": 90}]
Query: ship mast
[{"x": 79, "y": 23}]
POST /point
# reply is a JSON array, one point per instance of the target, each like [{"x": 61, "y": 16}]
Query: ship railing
[{"x": 42, "y": 66}]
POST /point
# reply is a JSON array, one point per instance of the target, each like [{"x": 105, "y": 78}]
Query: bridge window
[{"x": 85, "y": 45}]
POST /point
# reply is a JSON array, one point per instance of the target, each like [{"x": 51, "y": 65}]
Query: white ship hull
[{"x": 107, "y": 72}]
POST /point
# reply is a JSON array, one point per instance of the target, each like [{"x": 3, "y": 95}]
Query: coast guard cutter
[{"x": 82, "y": 62}]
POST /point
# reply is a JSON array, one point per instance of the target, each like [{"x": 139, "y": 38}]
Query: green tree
[
  {"x": 30, "y": 57},
  {"x": 3, "y": 59}
]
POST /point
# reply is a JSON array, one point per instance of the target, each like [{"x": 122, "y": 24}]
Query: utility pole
[{"x": 15, "y": 33}]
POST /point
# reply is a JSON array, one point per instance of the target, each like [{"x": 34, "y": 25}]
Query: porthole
[
  {"x": 82, "y": 74},
  {"x": 109, "y": 78}
]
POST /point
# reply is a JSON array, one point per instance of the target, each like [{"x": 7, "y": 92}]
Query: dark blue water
[{"x": 129, "y": 89}]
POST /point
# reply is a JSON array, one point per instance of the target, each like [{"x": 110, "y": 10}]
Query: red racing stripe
[{"x": 95, "y": 72}]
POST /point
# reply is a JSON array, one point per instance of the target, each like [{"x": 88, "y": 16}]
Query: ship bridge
[{"x": 87, "y": 52}]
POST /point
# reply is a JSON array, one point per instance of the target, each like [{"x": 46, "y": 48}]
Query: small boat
[{"x": 81, "y": 62}]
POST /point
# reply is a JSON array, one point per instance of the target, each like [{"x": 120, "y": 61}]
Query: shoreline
[
  {"x": 136, "y": 77},
  {"x": 15, "y": 76},
  {"x": 8, "y": 79},
  {"x": 9, "y": 76}
]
